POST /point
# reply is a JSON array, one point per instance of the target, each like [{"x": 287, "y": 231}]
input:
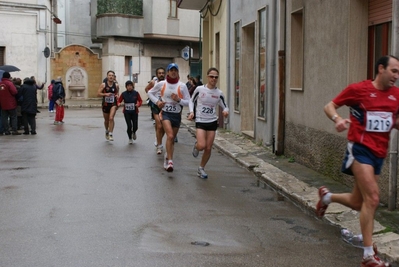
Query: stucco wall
[{"x": 335, "y": 40}]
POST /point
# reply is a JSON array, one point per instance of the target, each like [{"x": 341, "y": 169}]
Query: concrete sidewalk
[
  {"x": 300, "y": 185},
  {"x": 293, "y": 181}
]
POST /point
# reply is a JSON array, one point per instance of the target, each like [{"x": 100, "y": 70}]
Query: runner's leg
[{"x": 209, "y": 138}]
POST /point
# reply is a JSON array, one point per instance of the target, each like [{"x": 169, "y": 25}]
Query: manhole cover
[{"x": 200, "y": 243}]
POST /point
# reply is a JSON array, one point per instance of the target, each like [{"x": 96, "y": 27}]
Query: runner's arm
[
  {"x": 100, "y": 91},
  {"x": 152, "y": 94},
  {"x": 186, "y": 95},
  {"x": 139, "y": 100},
  {"x": 119, "y": 101},
  {"x": 149, "y": 86},
  {"x": 330, "y": 110}
]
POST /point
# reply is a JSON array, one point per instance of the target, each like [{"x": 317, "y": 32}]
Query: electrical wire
[
  {"x": 217, "y": 12},
  {"x": 208, "y": 8}
]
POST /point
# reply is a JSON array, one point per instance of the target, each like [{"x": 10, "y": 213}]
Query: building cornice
[
  {"x": 170, "y": 37},
  {"x": 20, "y": 5}
]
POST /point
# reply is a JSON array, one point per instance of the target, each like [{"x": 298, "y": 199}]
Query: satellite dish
[{"x": 46, "y": 52}]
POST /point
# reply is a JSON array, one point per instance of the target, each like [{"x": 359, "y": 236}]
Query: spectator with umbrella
[{"x": 9, "y": 68}]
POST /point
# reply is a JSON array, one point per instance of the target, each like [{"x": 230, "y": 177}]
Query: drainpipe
[
  {"x": 228, "y": 59},
  {"x": 282, "y": 62},
  {"x": 394, "y": 146},
  {"x": 273, "y": 74}
]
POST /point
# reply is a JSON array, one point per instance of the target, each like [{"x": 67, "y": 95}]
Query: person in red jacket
[
  {"x": 133, "y": 101},
  {"x": 8, "y": 103}
]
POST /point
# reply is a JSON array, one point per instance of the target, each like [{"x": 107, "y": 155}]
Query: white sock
[
  {"x": 368, "y": 251},
  {"x": 106, "y": 131},
  {"x": 110, "y": 133},
  {"x": 327, "y": 198}
]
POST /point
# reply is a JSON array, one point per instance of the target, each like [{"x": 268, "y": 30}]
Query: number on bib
[
  {"x": 109, "y": 99},
  {"x": 378, "y": 121},
  {"x": 130, "y": 106}
]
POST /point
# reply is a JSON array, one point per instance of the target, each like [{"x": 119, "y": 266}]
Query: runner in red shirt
[{"x": 373, "y": 114}]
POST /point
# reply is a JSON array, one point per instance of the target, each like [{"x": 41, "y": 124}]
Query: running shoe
[
  {"x": 201, "y": 173},
  {"x": 159, "y": 149},
  {"x": 165, "y": 162},
  {"x": 134, "y": 136},
  {"x": 111, "y": 138},
  {"x": 130, "y": 141},
  {"x": 107, "y": 136},
  {"x": 374, "y": 261},
  {"x": 169, "y": 168},
  {"x": 195, "y": 150},
  {"x": 321, "y": 207}
]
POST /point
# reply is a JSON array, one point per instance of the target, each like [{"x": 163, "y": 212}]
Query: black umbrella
[{"x": 9, "y": 68}]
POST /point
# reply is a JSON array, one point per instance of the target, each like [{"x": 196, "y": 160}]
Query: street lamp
[{"x": 55, "y": 19}]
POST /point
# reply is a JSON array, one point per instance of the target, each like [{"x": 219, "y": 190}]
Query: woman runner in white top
[{"x": 203, "y": 107}]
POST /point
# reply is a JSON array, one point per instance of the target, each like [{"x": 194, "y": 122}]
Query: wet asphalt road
[{"x": 70, "y": 198}]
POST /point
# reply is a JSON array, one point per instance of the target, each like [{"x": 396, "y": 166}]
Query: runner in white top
[
  {"x": 159, "y": 132},
  {"x": 203, "y": 105},
  {"x": 174, "y": 95}
]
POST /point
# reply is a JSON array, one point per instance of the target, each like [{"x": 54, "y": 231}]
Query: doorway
[{"x": 247, "y": 87}]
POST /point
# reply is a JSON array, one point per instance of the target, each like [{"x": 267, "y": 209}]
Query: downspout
[
  {"x": 394, "y": 146},
  {"x": 281, "y": 113},
  {"x": 200, "y": 41},
  {"x": 273, "y": 74},
  {"x": 229, "y": 94}
]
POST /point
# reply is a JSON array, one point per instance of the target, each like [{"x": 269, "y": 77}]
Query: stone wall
[
  {"x": 82, "y": 57},
  {"x": 324, "y": 152}
]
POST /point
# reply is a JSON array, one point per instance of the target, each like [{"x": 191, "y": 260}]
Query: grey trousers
[{"x": 12, "y": 114}]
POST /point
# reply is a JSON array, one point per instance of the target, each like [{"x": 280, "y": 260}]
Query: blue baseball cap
[{"x": 172, "y": 65}]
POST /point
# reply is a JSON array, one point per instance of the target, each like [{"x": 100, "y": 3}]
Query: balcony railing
[{"x": 128, "y": 7}]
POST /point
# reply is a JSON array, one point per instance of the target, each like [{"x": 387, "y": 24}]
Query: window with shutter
[
  {"x": 380, "y": 32},
  {"x": 2, "y": 51}
]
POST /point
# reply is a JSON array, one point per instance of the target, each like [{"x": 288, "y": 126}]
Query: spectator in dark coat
[
  {"x": 18, "y": 82},
  {"x": 37, "y": 87},
  {"x": 29, "y": 105},
  {"x": 8, "y": 104}
]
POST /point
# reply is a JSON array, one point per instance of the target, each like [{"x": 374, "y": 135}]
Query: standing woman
[
  {"x": 132, "y": 101},
  {"x": 203, "y": 105},
  {"x": 59, "y": 100},
  {"x": 28, "y": 105}
]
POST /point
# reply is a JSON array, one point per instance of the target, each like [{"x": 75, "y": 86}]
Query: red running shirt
[{"x": 372, "y": 114}]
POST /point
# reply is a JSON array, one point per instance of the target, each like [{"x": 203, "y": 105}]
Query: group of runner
[
  {"x": 111, "y": 100},
  {"x": 168, "y": 95},
  {"x": 374, "y": 113}
]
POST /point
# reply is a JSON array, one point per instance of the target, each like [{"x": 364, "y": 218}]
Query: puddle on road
[{"x": 211, "y": 238}]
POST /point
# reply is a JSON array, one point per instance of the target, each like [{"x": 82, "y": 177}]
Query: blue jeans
[{"x": 51, "y": 105}]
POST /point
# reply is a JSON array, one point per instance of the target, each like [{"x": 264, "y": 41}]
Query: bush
[{"x": 128, "y": 7}]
